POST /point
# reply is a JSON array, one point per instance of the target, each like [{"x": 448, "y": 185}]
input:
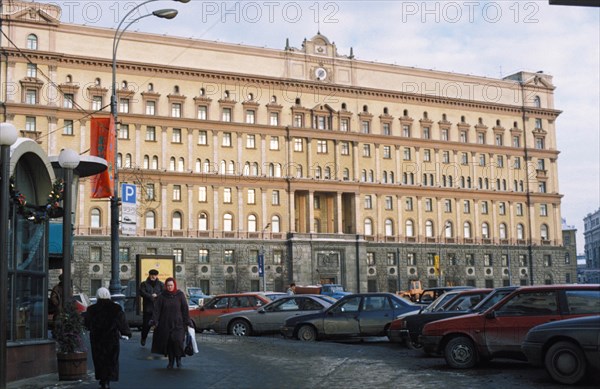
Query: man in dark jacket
[{"x": 149, "y": 290}]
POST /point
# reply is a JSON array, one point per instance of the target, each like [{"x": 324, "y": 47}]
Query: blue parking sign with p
[{"x": 128, "y": 195}]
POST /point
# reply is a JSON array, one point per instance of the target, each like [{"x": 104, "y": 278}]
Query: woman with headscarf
[
  {"x": 107, "y": 324},
  {"x": 170, "y": 317}
]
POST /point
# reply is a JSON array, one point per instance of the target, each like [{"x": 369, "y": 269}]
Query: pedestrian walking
[
  {"x": 171, "y": 318},
  {"x": 149, "y": 290},
  {"x": 107, "y": 324},
  {"x": 292, "y": 289}
]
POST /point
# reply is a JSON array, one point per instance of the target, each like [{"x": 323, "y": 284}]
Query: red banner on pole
[{"x": 102, "y": 144}]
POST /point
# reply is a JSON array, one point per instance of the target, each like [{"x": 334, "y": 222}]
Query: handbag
[{"x": 190, "y": 347}]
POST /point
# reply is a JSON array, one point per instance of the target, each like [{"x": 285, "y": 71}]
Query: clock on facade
[{"x": 320, "y": 74}]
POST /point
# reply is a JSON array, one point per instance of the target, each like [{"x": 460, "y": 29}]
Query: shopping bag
[{"x": 191, "y": 346}]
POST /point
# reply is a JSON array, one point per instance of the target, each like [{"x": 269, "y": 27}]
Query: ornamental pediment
[{"x": 31, "y": 12}]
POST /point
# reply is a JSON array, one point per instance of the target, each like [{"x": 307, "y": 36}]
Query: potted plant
[{"x": 71, "y": 352}]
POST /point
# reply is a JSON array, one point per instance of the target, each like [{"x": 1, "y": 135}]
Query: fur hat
[
  {"x": 103, "y": 294},
  {"x": 153, "y": 272}
]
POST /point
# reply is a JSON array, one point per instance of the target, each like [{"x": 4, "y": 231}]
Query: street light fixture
[
  {"x": 115, "y": 284},
  {"x": 68, "y": 160},
  {"x": 8, "y": 136}
]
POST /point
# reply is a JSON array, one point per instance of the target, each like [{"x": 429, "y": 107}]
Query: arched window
[
  {"x": 346, "y": 174},
  {"x": 327, "y": 175},
  {"x": 155, "y": 162},
  {"x": 391, "y": 177},
  {"x": 384, "y": 179},
  {"x": 180, "y": 164},
  {"x": 228, "y": 222},
  {"x": 176, "y": 222},
  {"x": 363, "y": 175},
  {"x": 485, "y": 231},
  {"x": 271, "y": 169},
  {"x": 537, "y": 102},
  {"x": 389, "y": 227},
  {"x": 318, "y": 172},
  {"x": 206, "y": 166},
  {"x": 146, "y": 162},
  {"x": 255, "y": 169},
  {"x": 275, "y": 224},
  {"x": 32, "y": 42},
  {"x": 231, "y": 168},
  {"x": 502, "y": 231},
  {"x": 277, "y": 169},
  {"x": 520, "y": 231},
  {"x": 448, "y": 229},
  {"x": 251, "y": 223},
  {"x": 467, "y": 230},
  {"x": 150, "y": 87},
  {"x": 544, "y": 232},
  {"x": 246, "y": 169},
  {"x": 223, "y": 167},
  {"x": 149, "y": 220},
  {"x": 203, "y": 222},
  {"x": 119, "y": 160},
  {"x": 176, "y": 89},
  {"x": 371, "y": 176},
  {"x": 97, "y": 81},
  {"x": 429, "y": 229},
  {"x": 96, "y": 221},
  {"x": 172, "y": 164},
  {"x": 127, "y": 160},
  {"x": 198, "y": 167},
  {"x": 409, "y": 228},
  {"x": 368, "y": 226}
]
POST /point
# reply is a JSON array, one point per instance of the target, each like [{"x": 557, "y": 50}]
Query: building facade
[
  {"x": 591, "y": 234},
  {"x": 338, "y": 169}
]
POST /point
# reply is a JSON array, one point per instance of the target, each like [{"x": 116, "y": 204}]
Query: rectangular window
[
  {"x": 487, "y": 260},
  {"x": 321, "y": 122},
  {"x": 96, "y": 103},
  {"x": 226, "y": 142},
  {"x": 446, "y": 157},
  {"x": 539, "y": 143},
  {"x": 538, "y": 123},
  {"x": 426, "y": 133},
  {"x": 344, "y": 125},
  {"x": 31, "y": 96},
  {"x": 409, "y": 204},
  {"x": 202, "y": 110},
  {"x": 149, "y": 192},
  {"x": 387, "y": 152},
  {"x": 202, "y": 194},
  {"x": 541, "y": 164},
  {"x": 345, "y": 148},
  {"x": 499, "y": 140},
  {"x": 203, "y": 256},
  {"x": 502, "y": 208},
  {"x": 428, "y": 205},
  {"x": 481, "y": 159},
  {"x": 543, "y": 210},
  {"x": 298, "y": 144},
  {"x": 387, "y": 129},
  {"x": 470, "y": 259},
  {"x": 227, "y": 195},
  {"x": 370, "y": 259},
  {"x": 427, "y": 155},
  {"x": 226, "y": 115},
  {"x": 124, "y": 131},
  {"x": 547, "y": 260},
  {"x": 516, "y": 141},
  {"x": 274, "y": 118},
  {"x": 504, "y": 260},
  {"x": 448, "y": 206},
  {"x": 176, "y": 192},
  {"x": 68, "y": 100},
  {"x": 517, "y": 163},
  {"x": 389, "y": 203},
  {"x": 30, "y": 124},
  {"x": 406, "y": 131},
  {"x": 274, "y": 144},
  {"x": 95, "y": 254},
  {"x": 484, "y": 207},
  {"x": 298, "y": 120},
  {"x": 151, "y": 133},
  {"x": 411, "y": 259},
  {"x": 391, "y": 259},
  {"x": 123, "y": 254},
  {"x": 68, "y": 127},
  {"x": 519, "y": 209},
  {"x": 542, "y": 187},
  {"x": 463, "y": 137},
  {"x": 366, "y": 150},
  {"x": 176, "y": 135},
  {"x": 250, "y": 141},
  {"x": 368, "y": 202},
  {"x": 176, "y": 110},
  {"x": 251, "y": 196},
  {"x": 124, "y": 105},
  {"x": 202, "y": 138},
  {"x": 444, "y": 134},
  {"x": 500, "y": 161},
  {"x": 151, "y": 108},
  {"x": 407, "y": 153},
  {"x": 277, "y": 257},
  {"x": 31, "y": 70},
  {"x": 481, "y": 138},
  {"x": 466, "y": 206},
  {"x": 178, "y": 254},
  {"x": 464, "y": 159},
  {"x": 275, "y": 197},
  {"x": 321, "y": 146},
  {"x": 365, "y": 127},
  {"x": 250, "y": 116}
]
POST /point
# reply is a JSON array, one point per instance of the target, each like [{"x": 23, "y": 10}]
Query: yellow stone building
[{"x": 341, "y": 170}]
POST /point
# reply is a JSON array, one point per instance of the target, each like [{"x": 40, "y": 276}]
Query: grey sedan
[{"x": 270, "y": 318}]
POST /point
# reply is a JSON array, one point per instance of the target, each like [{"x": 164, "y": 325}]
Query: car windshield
[
  {"x": 439, "y": 302},
  {"x": 336, "y": 288},
  {"x": 329, "y": 299}
]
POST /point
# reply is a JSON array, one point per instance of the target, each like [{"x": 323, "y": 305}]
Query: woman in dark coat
[
  {"x": 107, "y": 324},
  {"x": 171, "y": 317}
]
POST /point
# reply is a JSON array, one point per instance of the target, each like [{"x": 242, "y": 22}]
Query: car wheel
[
  {"x": 460, "y": 353},
  {"x": 565, "y": 362},
  {"x": 307, "y": 333},
  {"x": 413, "y": 345},
  {"x": 240, "y": 327}
]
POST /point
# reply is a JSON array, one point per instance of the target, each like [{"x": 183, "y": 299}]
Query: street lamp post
[
  {"x": 261, "y": 258},
  {"x": 8, "y": 136},
  {"x": 115, "y": 284},
  {"x": 68, "y": 160}
]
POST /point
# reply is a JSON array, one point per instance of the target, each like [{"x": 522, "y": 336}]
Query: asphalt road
[{"x": 273, "y": 362}]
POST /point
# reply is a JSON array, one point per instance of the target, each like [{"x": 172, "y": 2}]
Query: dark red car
[
  {"x": 500, "y": 330},
  {"x": 206, "y": 314}
]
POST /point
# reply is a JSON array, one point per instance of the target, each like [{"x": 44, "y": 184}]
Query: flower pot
[{"x": 72, "y": 366}]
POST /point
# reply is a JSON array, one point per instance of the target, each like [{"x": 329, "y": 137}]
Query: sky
[{"x": 483, "y": 38}]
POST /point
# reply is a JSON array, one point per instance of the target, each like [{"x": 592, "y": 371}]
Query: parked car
[
  {"x": 196, "y": 296},
  {"x": 407, "y": 329},
  {"x": 203, "y": 316},
  {"x": 355, "y": 315},
  {"x": 270, "y": 318},
  {"x": 275, "y": 295},
  {"x": 500, "y": 330},
  {"x": 431, "y": 294},
  {"x": 568, "y": 349}
]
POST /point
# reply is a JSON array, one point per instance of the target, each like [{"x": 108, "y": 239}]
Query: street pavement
[{"x": 228, "y": 362}]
